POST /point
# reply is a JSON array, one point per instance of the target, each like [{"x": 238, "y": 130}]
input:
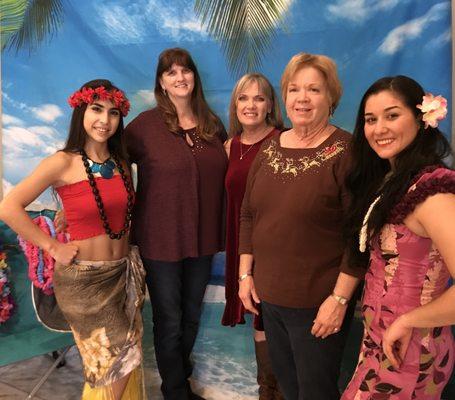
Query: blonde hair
[
  {"x": 323, "y": 64},
  {"x": 273, "y": 118}
]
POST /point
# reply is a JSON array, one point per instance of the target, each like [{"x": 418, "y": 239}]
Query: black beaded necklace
[{"x": 99, "y": 201}]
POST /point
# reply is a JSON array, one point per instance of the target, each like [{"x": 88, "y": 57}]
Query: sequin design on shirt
[{"x": 292, "y": 167}]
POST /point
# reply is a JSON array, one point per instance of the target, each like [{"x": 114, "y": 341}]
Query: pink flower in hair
[{"x": 434, "y": 109}]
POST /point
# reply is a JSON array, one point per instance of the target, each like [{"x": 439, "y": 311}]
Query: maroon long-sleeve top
[{"x": 179, "y": 201}]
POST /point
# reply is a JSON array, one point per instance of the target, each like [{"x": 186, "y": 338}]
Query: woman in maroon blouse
[
  {"x": 177, "y": 220},
  {"x": 254, "y": 115}
]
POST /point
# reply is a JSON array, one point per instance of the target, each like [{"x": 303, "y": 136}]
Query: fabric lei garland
[
  {"x": 6, "y": 299},
  {"x": 40, "y": 262}
]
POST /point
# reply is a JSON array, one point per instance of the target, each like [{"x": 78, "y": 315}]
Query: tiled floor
[
  {"x": 65, "y": 383},
  {"x": 18, "y": 380},
  {"x": 225, "y": 367}
]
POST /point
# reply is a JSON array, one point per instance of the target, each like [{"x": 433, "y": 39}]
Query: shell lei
[
  {"x": 363, "y": 236},
  {"x": 40, "y": 262},
  {"x": 6, "y": 298}
]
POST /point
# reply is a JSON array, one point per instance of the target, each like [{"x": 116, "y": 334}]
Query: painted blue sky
[{"x": 121, "y": 41}]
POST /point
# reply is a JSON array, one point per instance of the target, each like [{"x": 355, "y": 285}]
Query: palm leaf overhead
[
  {"x": 244, "y": 28},
  {"x": 26, "y": 23}
]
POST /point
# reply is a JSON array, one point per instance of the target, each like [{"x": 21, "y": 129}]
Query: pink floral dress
[{"x": 406, "y": 271}]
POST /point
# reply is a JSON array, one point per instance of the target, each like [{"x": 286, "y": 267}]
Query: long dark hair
[
  {"x": 366, "y": 180},
  {"x": 208, "y": 123},
  {"x": 77, "y": 134}
]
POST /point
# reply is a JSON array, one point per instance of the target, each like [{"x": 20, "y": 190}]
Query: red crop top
[{"x": 81, "y": 212}]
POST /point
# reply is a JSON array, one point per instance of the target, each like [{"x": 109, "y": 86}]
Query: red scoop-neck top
[{"x": 81, "y": 212}]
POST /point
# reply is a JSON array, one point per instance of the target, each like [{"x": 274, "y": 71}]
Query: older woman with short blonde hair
[
  {"x": 291, "y": 227},
  {"x": 323, "y": 64}
]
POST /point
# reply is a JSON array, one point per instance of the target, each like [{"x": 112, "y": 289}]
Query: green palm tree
[
  {"x": 27, "y": 23},
  {"x": 244, "y": 28}
]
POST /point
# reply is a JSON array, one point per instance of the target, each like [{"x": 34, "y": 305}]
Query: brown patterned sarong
[{"x": 102, "y": 301}]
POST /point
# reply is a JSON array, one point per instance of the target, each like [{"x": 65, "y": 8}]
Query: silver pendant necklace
[{"x": 242, "y": 154}]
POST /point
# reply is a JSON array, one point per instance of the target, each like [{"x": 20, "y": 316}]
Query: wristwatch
[
  {"x": 244, "y": 276},
  {"x": 342, "y": 300}
]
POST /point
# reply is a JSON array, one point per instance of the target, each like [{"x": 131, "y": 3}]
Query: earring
[
  {"x": 164, "y": 91},
  {"x": 331, "y": 111}
]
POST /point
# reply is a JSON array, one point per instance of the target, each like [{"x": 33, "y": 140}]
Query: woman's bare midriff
[{"x": 101, "y": 248}]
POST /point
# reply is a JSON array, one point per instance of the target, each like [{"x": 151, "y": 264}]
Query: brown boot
[{"x": 268, "y": 385}]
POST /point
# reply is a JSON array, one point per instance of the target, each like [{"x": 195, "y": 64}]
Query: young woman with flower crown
[
  {"x": 98, "y": 278},
  {"x": 403, "y": 205}
]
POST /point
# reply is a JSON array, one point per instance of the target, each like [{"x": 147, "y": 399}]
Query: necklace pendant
[{"x": 105, "y": 169}]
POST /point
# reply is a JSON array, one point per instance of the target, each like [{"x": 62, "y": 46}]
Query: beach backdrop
[{"x": 121, "y": 40}]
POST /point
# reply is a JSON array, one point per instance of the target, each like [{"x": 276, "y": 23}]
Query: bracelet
[
  {"x": 244, "y": 276},
  {"x": 340, "y": 299}
]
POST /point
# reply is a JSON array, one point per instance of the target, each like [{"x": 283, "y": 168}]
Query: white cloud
[
  {"x": 353, "y": 10},
  {"x": 14, "y": 103},
  {"x": 44, "y": 201},
  {"x": 130, "y": 23},
  {"x": 359, "y": 10},
  {"x": 44, "y": 112},
  {"x": 43, "y": 130},
  {"x": 439, "y": 40},
  {"x": 23, "y": 143},
  {"x": 7, "y": 186},
  {"x": 412, "y": 29},
  {"x": 177, "y": 21},
  {"x": 146, "y": 96},
  {"x": 121, "y": 24},
  {"x": 18, "y": 136},
  {"x": 47, "y": 112},
  {"x": 11, "y": 120}
]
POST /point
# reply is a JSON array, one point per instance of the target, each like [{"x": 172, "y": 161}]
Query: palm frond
[
  {"x": 244, "y": 28},
  {"x": 26, "y": 23}
]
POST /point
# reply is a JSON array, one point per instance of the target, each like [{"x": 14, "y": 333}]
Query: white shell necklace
[{"x": 363, "y": 235}]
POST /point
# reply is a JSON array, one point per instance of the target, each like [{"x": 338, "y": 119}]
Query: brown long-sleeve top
[
  {"x": 291, "y": 220},
  {"x": 178, "y": 211}
]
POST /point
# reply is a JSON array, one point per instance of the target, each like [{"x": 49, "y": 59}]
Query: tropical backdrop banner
[{"x": 51, "y": 47}]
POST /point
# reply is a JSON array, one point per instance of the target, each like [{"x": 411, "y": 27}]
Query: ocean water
[{"x": 225, "y": 364}]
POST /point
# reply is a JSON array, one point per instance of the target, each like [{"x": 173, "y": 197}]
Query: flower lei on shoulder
[
  {"x": 89, "y": 95},
  {"x": 7, "y": 304},
  {"x": 434, "y": 109},
  {"x": 40, "y": 262}
]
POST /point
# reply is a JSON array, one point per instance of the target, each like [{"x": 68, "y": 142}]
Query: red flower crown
[{"x": 89, "y": 95}]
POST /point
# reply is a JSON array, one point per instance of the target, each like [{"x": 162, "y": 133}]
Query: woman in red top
[
  {"x": 98, "y": 300},
  {"x": 254, "y": 115}
]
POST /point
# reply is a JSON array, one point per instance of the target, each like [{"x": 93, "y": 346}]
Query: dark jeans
[
  {"x": 176, "y": 292},
  {"x": 306, "y": 367}
]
